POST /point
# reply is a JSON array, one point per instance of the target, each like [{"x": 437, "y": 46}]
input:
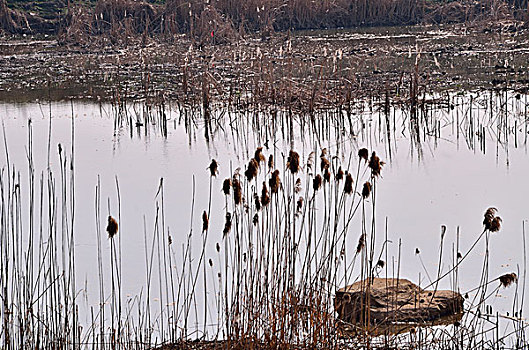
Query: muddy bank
[{"x": 301, "y": 70}]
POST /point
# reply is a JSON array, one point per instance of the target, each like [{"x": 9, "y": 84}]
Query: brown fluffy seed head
[
  {"x": 255, "y": 219},
  {"x": 217, "y": 246},
  {"x": 381, "y": 264},
  {"x": 257, "y": 201},
  {"x": 488, "y": 217},
  {"x": 348, "y": 186},
  {"x": 297, "y": 185},
  {"x": 324, "y": 164},
  {"x": 210, "y": 262},
  {"x": 375, "y": 164},
  {"x": 508, "y": 279},
  {"x": 227, "y": 225},
  {"x": 112, "y": 227},
  {"x": 363, "y": 153},
  {"x": 258, "y": 156},
  {"x": 274, "y": 181},
  {"x": 265, "y": 198},
  {"x": 205, "y": 221},
  {"x": 366, "y": 190},
  {"x": 213, "y": 168},
  {"x": 417, "y": 251},
  {"x": 361, "y": 243},
  {"x": 339, "y": 174},
  {"x": 316, "y": 183},
  {"x": 495, "y": 225},
  {"x": 327, "y": 175},
  {"x": 299, "y": 204},
  {"x": 293, "y": 162},
  {"x": 170, "y": 240},
  {"x": 252, "y": 169},
  {"x": 237, "y": 191},
  {"x": 270, "y": 161},
  {"x": 226, "y": 185}
]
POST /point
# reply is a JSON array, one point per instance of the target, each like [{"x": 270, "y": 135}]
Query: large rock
[{"x": 395, "y": 301}]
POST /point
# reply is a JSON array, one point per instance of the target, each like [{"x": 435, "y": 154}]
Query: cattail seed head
[
  {"x": 237, "y": 191},
  {"x": 363, "y": 153},
  {"x": 255, "y": 219},
  {"x": 293, "y": 162},
  {"x": 375, "y": 164},
  {"x": 495, "y": 225},
  {"x": 217, "y": 246},
  {"x": 210, "y": 262},
  {"x": 299, "y": 204},
  {"x": 508, "y": 279},
  {"x": 112, "y": 227},
  {"x": 251, "y": 171},
  {"x": 227, "y": 225},
  {"x": 417, "y": 251},
  {"x": 170, "y": 240},
  {"x": 274, "y": 181},
  {"x": 366, "y": 190},
  {"x": 258, "y": 156},
  {"x": 316, "y": 183},
  {"x": 339, "y": 174},
  {"x": 226, "y": 185},
  {"x": 257, "y": 202},
  {"x": 270, "y": 161},
  {"x": 205, "y": 221},
  {"x": 348, "y": 186},
  {"x": 381, "y": 264},
  {"x": 213, "y": 167},
  {"x": 325, "y": 164},
  {"x": 327, "y": 175},
  {"x": 265, "y": 198},
  {"x": 361, "y": 243},
  {"x": 297, "y": 185}
]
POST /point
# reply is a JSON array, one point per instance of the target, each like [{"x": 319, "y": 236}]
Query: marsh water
[
  {"x": 446, "y": 179},
  {"x": 463, "y": 152}
]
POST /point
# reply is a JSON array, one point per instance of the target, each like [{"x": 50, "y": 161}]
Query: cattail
[
  {"x": 299, "y": 204},
  {"x": 112, "y": 227},
  {"x": 495, "y": 225},
  {"x": 293, "y": 162},
  {"x": 375, "y": 164},
  {"x": 348, "y": 186},
  {"x": 339, "y": 174},
  {"x": 325, "y": 164},
  {"x": 60, "y": 148},
  {"x": 170, "y": 240},
  {"x": 488, "y": 217},
  {"x": 217, "y": 246},
  {"x": 459, "y": 255},
  {"x": 210, "y": 262},
  {"x": 255, "y": 219},
  {"x": 270, "y": 161},
  {"x": 257, "y": 202},
  {"x": 227, "y": 225},
  {"x": 310, "y": 160},
  {"x": 508, "y": 279},
  {"x": 417, "y": 251},
  {"x": 316, "y": 183},
  {"x": 237, "y": 191},
  {"x": 381, "y": 264},
  {"x": 361, "y": 243},
  {"x": 366, "y": 190},
  {"x": 297, "y": 185},
  {"x": 226, "y": 185},
  {"x": 213, "y": 167},
  {"x": 252, "y": 169},
  {"x": 259, "y": 157},
  {"x": 327, "y": 175},
  {"x": 265, "y": 198},
  {"x": 205, "y": 221},
  {"x": 274, "y": 181},
  {"x": 363, "y": 153}
]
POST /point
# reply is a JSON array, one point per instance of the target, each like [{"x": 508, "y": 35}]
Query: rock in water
[{"x": 395, "y": 301}]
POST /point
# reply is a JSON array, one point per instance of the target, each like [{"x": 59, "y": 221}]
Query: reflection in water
[{"x": 447, "y": 161}]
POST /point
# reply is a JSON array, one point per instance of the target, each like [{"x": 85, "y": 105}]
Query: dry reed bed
[{"x": 264, "y": 277}]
